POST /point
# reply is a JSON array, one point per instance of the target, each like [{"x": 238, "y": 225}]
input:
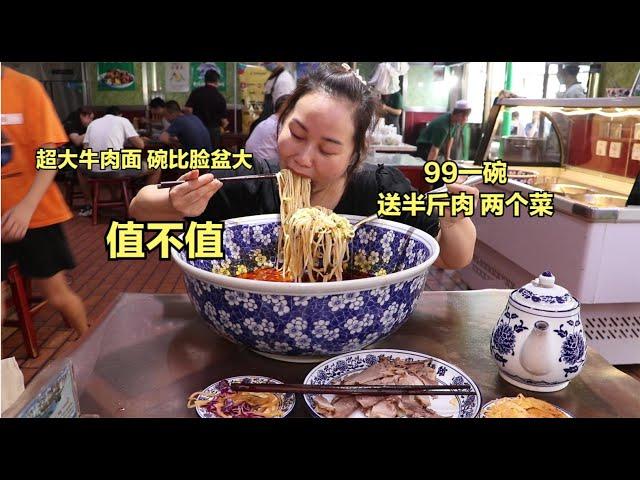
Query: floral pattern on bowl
[
  {"x": 309, "y": 319},
  {"x": 377, "y": 251}
]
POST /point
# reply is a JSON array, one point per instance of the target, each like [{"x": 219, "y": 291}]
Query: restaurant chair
[
  {"x": 68, "y": 181},
  {"x": 123, "y": 182},
  {"x": 70, "y": 192},
  {"x": 26, "y": 305}
]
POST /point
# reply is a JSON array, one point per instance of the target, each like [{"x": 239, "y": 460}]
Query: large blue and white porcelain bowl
[{"x": 304, "y": 321}]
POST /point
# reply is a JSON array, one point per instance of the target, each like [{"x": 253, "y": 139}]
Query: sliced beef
[
  {"x": 345, "y": 406},
  {"x": 383, "y": 409},
  {"x": 387, "y": 371},
  {"x": 372, "y": 373},
  {"x": 368, "y": 401},
  {"x": 323, "y": 406}
]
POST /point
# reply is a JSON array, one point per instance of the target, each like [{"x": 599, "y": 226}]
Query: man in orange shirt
[{"x": 32, "y": 206}]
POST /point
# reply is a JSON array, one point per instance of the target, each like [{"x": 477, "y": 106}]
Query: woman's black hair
[
  {"x": 282, "y": 99},
  {"x": 75, "y": 115},
  {"x": 340, "y": 82}
]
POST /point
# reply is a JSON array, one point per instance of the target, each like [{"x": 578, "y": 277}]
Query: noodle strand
[{"x": 312, "y": 241}]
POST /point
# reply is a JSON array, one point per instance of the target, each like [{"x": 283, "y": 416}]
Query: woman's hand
[
  {"x": 191, "y": 197},
  {"x": 15, "y": 222},
  {"x": 447, "y": 220},
  {"x": 457, "y": 236}
]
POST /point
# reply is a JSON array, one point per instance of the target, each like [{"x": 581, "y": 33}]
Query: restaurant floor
[{"x": 99, "y": 282}]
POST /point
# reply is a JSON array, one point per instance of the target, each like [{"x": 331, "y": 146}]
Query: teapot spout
[{"x": 536, "y": 356}]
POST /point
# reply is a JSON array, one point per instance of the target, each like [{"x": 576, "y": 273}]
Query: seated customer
[
  {"x": 263, "y": 141},
  {"x": 185, "y": 129},
  {"x": 76, "y": 125},
  {"x": 158, "y": 122},
  {"x": 114, "y": 131}
]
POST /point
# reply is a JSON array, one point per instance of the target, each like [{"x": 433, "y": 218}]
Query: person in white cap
[{"x": 440, "y": 133}]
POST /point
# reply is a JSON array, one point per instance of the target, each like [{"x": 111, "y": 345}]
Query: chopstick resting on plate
[
  {"x": 354, "y": 389},
  {"x": 223, "y": 179}
]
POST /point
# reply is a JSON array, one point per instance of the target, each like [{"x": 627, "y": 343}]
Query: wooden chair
[
  {"x": 123, "y": 182},
  {"x": 22, "y": 299}
]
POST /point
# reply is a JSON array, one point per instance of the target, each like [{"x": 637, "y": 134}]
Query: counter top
[
  {"x": 403, "y": 147},
  {"x": 396, "y": 160},
  {"x": 576, "y": 208}
]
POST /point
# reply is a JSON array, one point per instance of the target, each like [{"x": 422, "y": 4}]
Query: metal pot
[{"x": 519, "y": 149}]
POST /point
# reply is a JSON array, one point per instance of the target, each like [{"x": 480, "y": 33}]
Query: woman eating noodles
[{"x": 322, "y": 136}]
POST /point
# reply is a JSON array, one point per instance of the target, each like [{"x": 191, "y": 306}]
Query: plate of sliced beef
[{"x": 391, "y": 367}]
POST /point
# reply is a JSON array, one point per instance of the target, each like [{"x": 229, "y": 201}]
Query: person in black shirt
[
  {"x": 208, "y": 104},
  {"x": 323, "y": 136},
  {"x": 75, "y": 125},
  {"x": 392, "y": 108},
  {"x": 186, "y": 129}
]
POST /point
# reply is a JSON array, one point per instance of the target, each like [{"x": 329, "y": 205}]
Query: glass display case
[
  {"x": 598, "y": 134},
  {"x": 586, "y": 153}
]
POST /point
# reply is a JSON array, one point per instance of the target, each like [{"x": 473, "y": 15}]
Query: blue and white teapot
[{"x": 538, "y": 343}]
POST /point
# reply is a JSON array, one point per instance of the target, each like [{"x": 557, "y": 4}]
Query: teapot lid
[{"x": 542, "y": 293}]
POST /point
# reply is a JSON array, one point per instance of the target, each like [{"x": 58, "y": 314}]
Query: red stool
[
  {"x": 21, "y": 300},
  {"x": 96, "y": 183}
]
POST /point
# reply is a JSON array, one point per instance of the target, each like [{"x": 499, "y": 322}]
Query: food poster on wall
[
  {"x": 177, "y": 75},
  {"x": 252, "y": 79},
  {"x": 116, "y": 76},
  {"x": 198, "y": 70}
]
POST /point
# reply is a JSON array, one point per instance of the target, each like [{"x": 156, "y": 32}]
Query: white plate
[
  {"x": 488, "y": 405},
  {"x": 287, "y": 400},
  {"x": 459, "y": 406}
]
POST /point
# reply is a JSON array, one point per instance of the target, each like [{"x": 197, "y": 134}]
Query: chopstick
[
  {"x": 471, "y": 180},
  {"x": 224, "y": 179},
  {"x": 354, "y": 389}
]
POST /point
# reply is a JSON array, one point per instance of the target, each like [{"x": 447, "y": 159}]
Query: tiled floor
[{"x": 99, "y": 281}]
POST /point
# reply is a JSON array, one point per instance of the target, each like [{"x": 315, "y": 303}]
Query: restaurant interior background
[
  {"x": 501, "y": 261},
  {"x": 428, "y": 89}
]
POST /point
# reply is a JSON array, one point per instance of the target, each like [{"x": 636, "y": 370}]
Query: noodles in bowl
[
  {"x": 304, "y": 320},
  {"x": 314, "y": 242}
]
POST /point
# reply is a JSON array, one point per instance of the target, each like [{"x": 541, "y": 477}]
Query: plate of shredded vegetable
[{"x": 219, "y": 401}]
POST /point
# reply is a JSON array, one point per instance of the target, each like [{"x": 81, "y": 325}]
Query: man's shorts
[{"x": 42, "y": 253}]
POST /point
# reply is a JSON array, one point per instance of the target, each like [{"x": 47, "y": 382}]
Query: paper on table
[{"x": 12, "y": 382}]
